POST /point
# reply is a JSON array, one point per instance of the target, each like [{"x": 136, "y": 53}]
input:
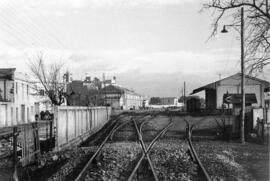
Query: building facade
[
  {"x": 226, "y": 93},
  {"x": 17, "y": 105},
  {"x": 170, "y": 101},
  {"x": 215, "y": 91},
  {"x": 121, "y": 98}
]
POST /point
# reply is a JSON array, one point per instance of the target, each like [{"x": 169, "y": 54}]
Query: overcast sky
[{"x": 151, "y": 46}]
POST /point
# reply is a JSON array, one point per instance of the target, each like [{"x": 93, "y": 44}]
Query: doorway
[{"x": 23, "y": 113}]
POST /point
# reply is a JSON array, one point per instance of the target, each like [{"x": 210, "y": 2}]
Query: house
[
  {"x": 17, "y": 104},
  {"x": 121, "y": 98},
  {"x": 214, "y": 92}
]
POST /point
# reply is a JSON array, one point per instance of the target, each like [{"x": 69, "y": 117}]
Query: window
[
  {"x": 12, "y": 88},
  {"x": 11, "y": 116},
  {"x": 32, "y": 110},
  {"x": 27, "y": 89},
  {"x": 22, "y": 91},
  {"x": 16, "y": 87}
]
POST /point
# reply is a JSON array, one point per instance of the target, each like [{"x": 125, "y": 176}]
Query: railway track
[
  {"x": 138, "y": 122},
  {"x": 193, "y": 151},
  {"x": 145, "y": 150}
]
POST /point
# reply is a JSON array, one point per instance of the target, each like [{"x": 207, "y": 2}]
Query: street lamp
[{"x": 224, "y": 30}]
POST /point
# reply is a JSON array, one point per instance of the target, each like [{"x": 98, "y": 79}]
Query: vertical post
[
  {"x": 51, "y": 130},
  {"x": 242, "y": 78},
  {"x": 266, "y": 6},
  {"x": 55, "y": 119},
  {"x": 262, "y": 136},
  {"x": 75, "y": 122},
  {"x": 46, "y": 130},
  {"x": 67, "y": 122},
  {"x": 185, "y": 95},
  {"x": 5, "y": 90},
  {"x": 15, "y": 134}
]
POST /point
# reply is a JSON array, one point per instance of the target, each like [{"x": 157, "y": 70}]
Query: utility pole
[
  {"x": 184, "y": 94},
  {"x": 266, "y": 6},
  {"x": 242, "y": 78}
]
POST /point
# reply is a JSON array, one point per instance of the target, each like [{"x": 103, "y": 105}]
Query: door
[
  {"x": 23, "y": 113},
  {"x": 3, "y": 115}
]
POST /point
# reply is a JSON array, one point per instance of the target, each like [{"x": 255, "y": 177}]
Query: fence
[
  {"x": 28, "y": 139},
  {"x": 75, "y": 123}
]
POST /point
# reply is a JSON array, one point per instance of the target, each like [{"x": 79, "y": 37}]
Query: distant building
[
  {"x": 170, "y": 101},
  {"x": 121, "y": 98},
  {"x": 17, "y": 101},
  {"x": 85, "y": 93},
  {"x": 165, "y": 102},
  {"x": 100, "y": 93}
]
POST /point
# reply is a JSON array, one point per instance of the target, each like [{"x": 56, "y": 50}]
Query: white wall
[
  {"x": 75, "y": 121},
  {"x": 132, "y": 100},
  {"x": 11, "y": 112}
]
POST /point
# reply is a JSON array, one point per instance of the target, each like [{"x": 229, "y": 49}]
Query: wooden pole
[
  {"x": 185, "y": 95},
  {"x": 266, "y": 6},
  {"x": 242, "y": 78},
  {"x": 15, "y": 134}
]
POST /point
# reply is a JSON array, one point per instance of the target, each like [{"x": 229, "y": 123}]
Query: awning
[{"x": 237, "y": 98}]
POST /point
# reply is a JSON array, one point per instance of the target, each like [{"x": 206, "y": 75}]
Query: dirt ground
[{"x": 235, "y": 161}]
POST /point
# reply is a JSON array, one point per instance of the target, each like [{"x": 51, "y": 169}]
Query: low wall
[{"x": 74, "y": 123}]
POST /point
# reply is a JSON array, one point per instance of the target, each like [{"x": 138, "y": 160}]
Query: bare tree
[
  {"x": 49, "y": 77},
  {"x": 257, "y": 25}
]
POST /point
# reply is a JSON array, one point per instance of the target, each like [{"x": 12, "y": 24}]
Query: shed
[{"x": 214, "y": 92}]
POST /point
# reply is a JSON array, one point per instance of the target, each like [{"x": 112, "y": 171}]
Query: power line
[
  {"x": 32, "y": 31},
  {"x": 31, "y": 27},
  {"x": 46, "y": 27}
]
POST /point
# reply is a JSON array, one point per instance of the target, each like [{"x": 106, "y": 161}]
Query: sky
[{"x": 151, "y": 46}]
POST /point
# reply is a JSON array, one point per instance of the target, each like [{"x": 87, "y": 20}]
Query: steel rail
[
  {"x": 115, "y": 127},
  {"x": 153, "y": 142},
  {"x": 82, "y": 173},
  {"x": 139, "y": 133},
  {"x": 123, "y": 124},
  {"x": 193, "y": 152}
]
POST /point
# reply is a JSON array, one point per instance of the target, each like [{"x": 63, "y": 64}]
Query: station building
[
  {"x": 226, "y": 93},
  {"x": 214, "y": 92}
]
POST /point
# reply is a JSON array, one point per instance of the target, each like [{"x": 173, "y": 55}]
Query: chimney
[
  {"x": 66, "y": 77},
  {"x": 114, "y": 80}
]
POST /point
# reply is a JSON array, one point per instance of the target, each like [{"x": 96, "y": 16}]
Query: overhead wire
[
  {"x": 25, "y": 22},
  {"x": 28, "y": 30},
  {"x": 18, "y": 31},
  {"x": 51, "y": 25}
]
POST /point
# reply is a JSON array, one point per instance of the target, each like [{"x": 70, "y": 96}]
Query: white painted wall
[
  {"x": 75, "y": 121},
  {"x": 12, "y": 112}
]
